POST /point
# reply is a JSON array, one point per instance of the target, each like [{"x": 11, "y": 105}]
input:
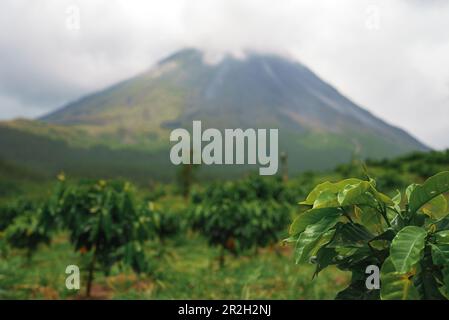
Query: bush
[
  {"x": 27, "y": 231},
  {"x": 104, "y": 220},
  {"x": 10, "y": 211},
  {"x": 237, "y": 216},
  {"x": 164, "y": 224},
  {"x": 390, "y": 180}
]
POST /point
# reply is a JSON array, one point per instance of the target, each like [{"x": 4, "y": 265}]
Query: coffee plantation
[{"x": 224, "y": 239}]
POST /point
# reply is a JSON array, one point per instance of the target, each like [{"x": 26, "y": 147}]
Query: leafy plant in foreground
[{"x": 352, "y": 225}]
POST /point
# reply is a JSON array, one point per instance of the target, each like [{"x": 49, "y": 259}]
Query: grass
[{"x": 188, "y": 270}]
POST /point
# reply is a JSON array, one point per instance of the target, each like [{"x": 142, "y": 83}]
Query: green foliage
[
  {"x": 103, "y": 220},
  {"x": 26, "y": 230},
  {"x": 390, "y": 180},
  {"x": 163, "y": 225},
  {"x": 396, "y": 286},
  {"x": 241, "y": 215},
  {"x": 433, "y": 187},
  {"x": 420, "y": 164},
  {"x": 407, "y": 248},
  {"x": 103, "y": 217},
  {"x": 352, "y": 225},
  {"x": 331, "y": 238},
  {"x": 10, "y": 211}
]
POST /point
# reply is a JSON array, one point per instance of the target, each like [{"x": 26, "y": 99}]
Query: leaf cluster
[{"x": 351, "y": 225}]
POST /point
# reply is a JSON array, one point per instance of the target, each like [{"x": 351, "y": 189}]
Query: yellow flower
[
  {"x": 102, "y": 183},
  {"x": 61, "y": 176}
]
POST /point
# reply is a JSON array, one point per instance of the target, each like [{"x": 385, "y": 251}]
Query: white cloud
[{"x": 388, "y": 56}]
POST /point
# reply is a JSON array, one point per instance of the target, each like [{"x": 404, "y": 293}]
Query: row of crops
[
  {"x": 110, "y": 224},
  {"x": 348, "y": 225}
]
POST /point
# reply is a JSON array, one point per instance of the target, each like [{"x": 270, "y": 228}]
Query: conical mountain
[{"x": 318, "y": 126}]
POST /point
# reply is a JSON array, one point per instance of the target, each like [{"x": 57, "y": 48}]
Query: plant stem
[
  {"x": 91, "y": 272},
  {"x": 94, "y": 259},
  {"x": 383, "y": 212},
  {"x": 222, "y": 257},
  {"x": 346, "y": 214}
]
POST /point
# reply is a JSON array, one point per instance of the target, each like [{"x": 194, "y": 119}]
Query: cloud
[{"x": 388, "y": 56}]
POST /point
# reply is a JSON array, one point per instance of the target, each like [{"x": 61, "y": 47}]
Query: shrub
[
  {"x": 390, "y": 180},
  {"x": 237, "y": 216},
  {"x": 164, "y": 224},
  {"x": 26, "y": 231},
  {"x": 103, "y": 219},
  {"x": 10, "y": 211}
]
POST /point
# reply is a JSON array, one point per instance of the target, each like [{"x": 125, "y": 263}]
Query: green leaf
[
  {"x": 324, "y": 240},
  {"x": 427, "y": 286},
  {"x": 371, "y": 219},
  {"x": 445, "y": 273},
  {"x": 388, "y": 235},
  {"x": 324, "y": 258},
  {"x": 430, "y": 189},
  {"x": 352, "y": 259},
  {"x": 311, "y": 217},
  {"x": 326, "y": 199},
  {"x": 310, "y": 238},
  {"x": 442, "y": 237},
  {"x": 383, "y": 198},
  {"x": 352, "y": 193},
  {"x": 442, "y": 224},
  {"x": 394, "y": 285},
  {"x": 440, "y": 254},
  {"x": 407, "y": 248},
  {"x": 328, "y": 186},
  {"x": 436, "y": 208},
  {"x": 351, "y": 235},
  {"x": 409, "y": 190},
  {"x": 440, "y": 257},
  {"x": 425, "y": 280},
  {"x": 397, "y": 198}
]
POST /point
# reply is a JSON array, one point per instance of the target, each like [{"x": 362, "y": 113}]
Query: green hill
[{"x": 51, "y": 156}]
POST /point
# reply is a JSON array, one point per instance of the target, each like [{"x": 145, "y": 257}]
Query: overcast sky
[{"x": 391, "y": 57}]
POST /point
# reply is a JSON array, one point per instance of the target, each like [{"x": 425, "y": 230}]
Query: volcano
[{"x": 318, "y": 126}]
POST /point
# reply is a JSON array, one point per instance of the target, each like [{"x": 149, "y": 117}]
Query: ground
[{"x": 188, "y": 269}]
